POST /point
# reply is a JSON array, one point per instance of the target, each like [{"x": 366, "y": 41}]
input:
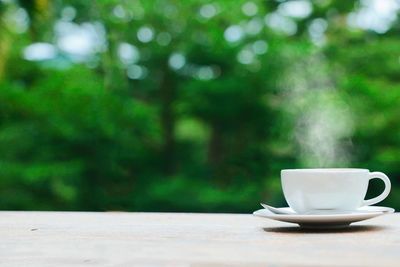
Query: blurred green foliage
[{"x": 184, "y": 105}]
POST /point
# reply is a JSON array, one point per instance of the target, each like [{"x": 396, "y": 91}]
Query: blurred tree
[{"x": 182, "y": 105}]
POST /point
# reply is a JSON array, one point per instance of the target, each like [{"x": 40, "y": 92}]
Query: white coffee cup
[{"x": 308, "y": 190}]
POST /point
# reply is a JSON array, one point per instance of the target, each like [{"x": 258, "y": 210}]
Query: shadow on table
[{"x": 350, "y": 229}]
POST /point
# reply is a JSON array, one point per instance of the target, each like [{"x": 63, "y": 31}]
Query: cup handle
[{"x": 385, "y": 193}]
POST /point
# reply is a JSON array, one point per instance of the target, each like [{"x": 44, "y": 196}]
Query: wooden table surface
[{"x": 189, "y": 239}]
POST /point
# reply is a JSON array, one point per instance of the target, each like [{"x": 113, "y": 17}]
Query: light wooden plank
[{"x": 184, "y": 239}]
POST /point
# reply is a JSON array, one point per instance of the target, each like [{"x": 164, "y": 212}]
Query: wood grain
[{"x": 185, "y": 239}]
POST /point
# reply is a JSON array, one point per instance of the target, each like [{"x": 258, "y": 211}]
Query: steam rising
[
  {"x": 323, "y": 132},
  {"x": 322, "y": 120}
]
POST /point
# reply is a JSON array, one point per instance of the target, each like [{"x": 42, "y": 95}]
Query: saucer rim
[
  {"x": 376, "y": 209},
  {"x": 323, "y": 221},
  {"x": 374, "y": 213}
]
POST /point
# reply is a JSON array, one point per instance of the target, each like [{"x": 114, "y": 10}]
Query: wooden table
[{"x": 185, "y": 239}]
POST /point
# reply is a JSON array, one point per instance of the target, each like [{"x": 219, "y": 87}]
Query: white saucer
[{"x": 337, "y": 220}]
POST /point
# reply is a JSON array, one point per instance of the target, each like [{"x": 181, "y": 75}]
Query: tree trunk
[
  {"x": 215, "y": 150},
  {"x": 167, "y": 95}
]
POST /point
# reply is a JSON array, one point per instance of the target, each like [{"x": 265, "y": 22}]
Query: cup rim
[{"x": 326, "y": 170}]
